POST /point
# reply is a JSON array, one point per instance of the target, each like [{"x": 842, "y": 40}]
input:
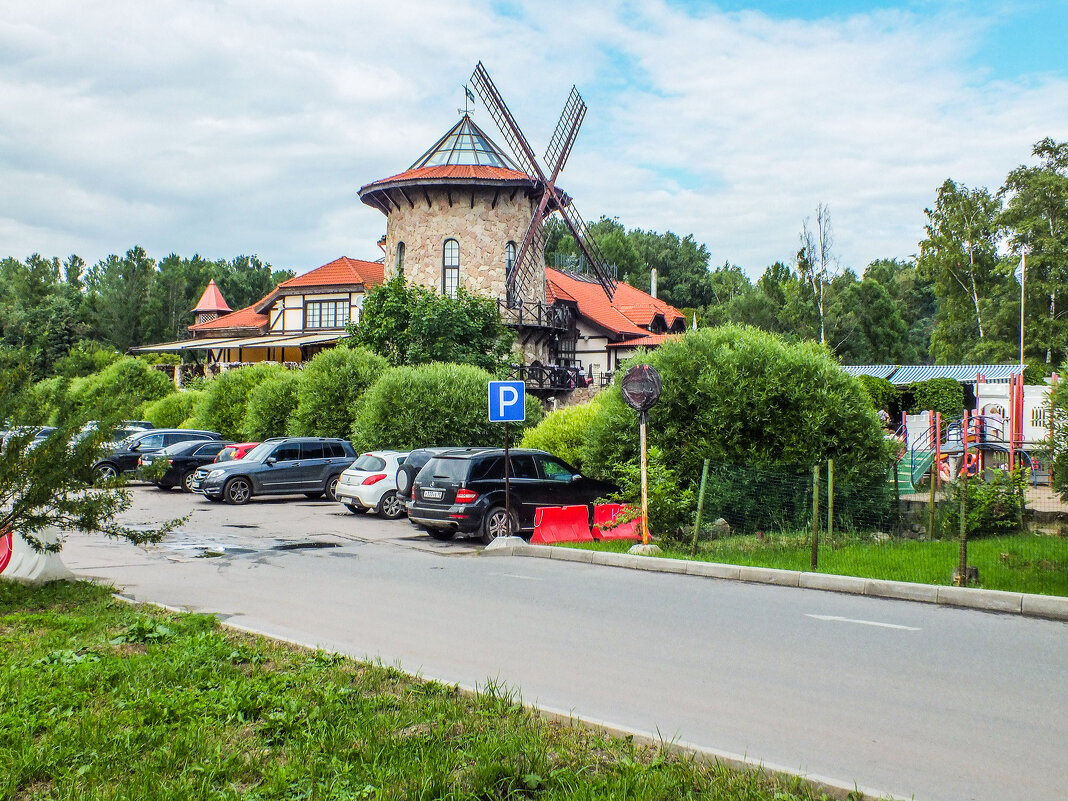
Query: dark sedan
[
  {"x": 174, "y": 465},
  {"x": 124, "y": 458}
]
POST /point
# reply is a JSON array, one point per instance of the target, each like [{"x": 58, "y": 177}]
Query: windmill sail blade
[
  {"x": 589, "y": 247},
  {"x": 497, "y": 109},
  {"x": 566, "y": 130},
  {"x": 523, "y": 273}
]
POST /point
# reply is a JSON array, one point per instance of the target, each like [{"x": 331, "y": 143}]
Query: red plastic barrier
[
  {"x": 561, "y": 524},
  {"x": 7, "y": 546},
  {"x": 607, "y": 513}
]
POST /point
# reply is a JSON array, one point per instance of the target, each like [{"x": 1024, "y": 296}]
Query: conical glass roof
[{"x": 465, "y": 143}]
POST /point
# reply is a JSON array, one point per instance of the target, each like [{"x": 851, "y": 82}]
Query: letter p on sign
[{"x": 507, "y": 402}]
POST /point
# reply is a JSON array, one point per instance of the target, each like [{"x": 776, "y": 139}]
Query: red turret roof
[{"x": 212, "y": 300}]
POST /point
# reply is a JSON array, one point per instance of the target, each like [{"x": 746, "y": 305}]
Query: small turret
[{"x": 211, "y": 305}]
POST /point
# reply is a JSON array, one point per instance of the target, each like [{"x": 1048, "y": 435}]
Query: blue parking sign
[{"x": 507, "y": 402}]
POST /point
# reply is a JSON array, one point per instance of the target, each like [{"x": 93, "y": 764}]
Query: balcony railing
[{"x": 534, "y": 314}]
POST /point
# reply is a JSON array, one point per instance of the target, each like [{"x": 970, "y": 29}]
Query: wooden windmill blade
[
  {"x": 566, "y": 131},
  {"x": 587, "y": 244},
  {"x": 498, "y": 110}
]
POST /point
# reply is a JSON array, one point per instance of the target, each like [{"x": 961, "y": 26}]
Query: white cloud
[{"x": 239, "y": 127}]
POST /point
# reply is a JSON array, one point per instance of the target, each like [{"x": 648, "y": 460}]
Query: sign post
[
  {"x": 641, "y": 390},
  {"x": 507, "y": 404}
]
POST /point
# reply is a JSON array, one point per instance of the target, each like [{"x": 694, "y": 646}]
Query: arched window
[
  {"x": 450, "y": 268},
  {"x": 509, "y": 257},
  {"x": 400, "y": 258}
]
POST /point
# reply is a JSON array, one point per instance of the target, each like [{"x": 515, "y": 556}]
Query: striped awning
[
  {"x": 908, "y": 374},
  {"x": 281, "y": 341}
]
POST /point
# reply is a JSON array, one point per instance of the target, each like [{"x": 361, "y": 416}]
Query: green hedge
[
  {"x": 120, "y": 390},
  {"x": 330, "y": 389},
  {"x": 943, "y": 395},
  {"x": 225, "y": 399},
  {"x": 563, "y": 431},
  {"x": 173, "y": 410},
  {"x": 432, "y": 404},
  {"x": 271, "y": 404},
  {"x": 882, "y": 394}
]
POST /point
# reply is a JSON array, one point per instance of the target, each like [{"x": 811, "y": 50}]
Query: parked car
[
  {"x": 182, "y": 459},
  {"x": 34, "y": 435},
  {"x": 235, "y": 450},
  {"x": 123, "y": 458},
  {"x": 463, "y": 491},
  {"x": 280, "y": 466},
  {"x": 371, "y": 483},
  {"x": 413, "y": 463},
  {"x": 121, "y": 432}
]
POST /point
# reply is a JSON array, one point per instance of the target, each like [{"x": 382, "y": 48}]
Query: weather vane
[{"x": 469, "y": 98}]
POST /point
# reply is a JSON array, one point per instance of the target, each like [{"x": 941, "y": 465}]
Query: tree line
[
  {"x": 956, "y": 300},
  {"x": 60, "y": 316}
]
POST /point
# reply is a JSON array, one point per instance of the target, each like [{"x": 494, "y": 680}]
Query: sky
[{"x": 238, "y": 127}]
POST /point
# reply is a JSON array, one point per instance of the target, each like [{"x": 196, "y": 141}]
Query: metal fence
[{"x": 995, "y": 528}]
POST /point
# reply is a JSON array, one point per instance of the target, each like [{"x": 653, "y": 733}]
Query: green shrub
[
  {"x": 882, "y": 394},
  {"x": 85, "y": 358},
  {"x": 432, "y": 404},
  {"x": 563, "y": 431},
  {"x": 943, "y": 395},
  {"x": 50, "y": 401},
  {"x": 742, "y": 397},
  {"x": 1056, "y": 448},
  {"x": 271, "y": 405},
  {"x": 330, "y": 389},
  {"x": 994, "y": 503},
  {"x": 173, "y": 410},
  {"x": 225, "y": 398},
  {"x": 120, "y": 390}
]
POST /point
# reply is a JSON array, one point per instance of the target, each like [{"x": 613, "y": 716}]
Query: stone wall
[{"x": 481, "y": 230}]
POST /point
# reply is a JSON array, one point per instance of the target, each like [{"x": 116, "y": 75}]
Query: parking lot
[{"x": 219, "y": 530}]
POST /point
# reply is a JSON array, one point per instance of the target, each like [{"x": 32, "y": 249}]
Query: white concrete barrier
[{"x": 32, "y": 567}]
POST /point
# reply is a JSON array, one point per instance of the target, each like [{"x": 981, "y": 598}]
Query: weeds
[{"x": 172, "y": 706}]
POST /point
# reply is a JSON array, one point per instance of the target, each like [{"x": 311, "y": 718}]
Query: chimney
[{"x": 652, "y": 282}]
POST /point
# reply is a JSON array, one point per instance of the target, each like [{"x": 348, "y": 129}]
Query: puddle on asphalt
[
  {"x": 301, "y": 546},
  {"x": 240, "y": 525}
]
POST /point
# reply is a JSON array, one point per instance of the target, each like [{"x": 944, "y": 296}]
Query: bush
[
  {"x": 882, "y": 394},
  {"x": 222, "y": 406},
  {"x": 85, "y": 358},
  {"x": 432, "y": 404},
  {"x": 173, "y": 410},
  {"x": 943, "y": 395},
  {"x": 994, "y": 504},
  {"x": 271, "y": 405},
  {"x": 563, "y": 432},
  {"x": 744, "y": 397},
  {"x": 120, "y": 390},
  {"x": 331, "y": 387},
  {"x": 1056, "y": 449}
]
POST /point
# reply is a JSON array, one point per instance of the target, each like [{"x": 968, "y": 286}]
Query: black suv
[
  {"x": 280, "y": 466},
  {"x": 124, "y": 458},
  {"x": 181, "y": 461},
  {"x": 462, "y": 490}
]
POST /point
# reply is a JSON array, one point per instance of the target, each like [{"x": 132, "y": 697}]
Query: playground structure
[{"x": 1004, "y": 431}]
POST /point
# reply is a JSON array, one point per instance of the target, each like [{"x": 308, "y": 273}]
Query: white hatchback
[{"x": 371, "y": 483}]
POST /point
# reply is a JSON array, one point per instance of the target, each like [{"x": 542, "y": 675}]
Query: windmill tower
[{"x": 468, "y": 214}]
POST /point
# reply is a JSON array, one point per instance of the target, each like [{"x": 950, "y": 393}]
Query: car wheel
[
  {"x": 441, "y": 533},
  {"x": 495, "y": 524},
  {"x": 237, "y": 491},
  {"x": 331, "y": 487},
  {"x": 391, "y": 506},
  {"x": 106, "y": 473},
  {"x": 187, "y": 481},
  {"x": 355, "y": 509}
]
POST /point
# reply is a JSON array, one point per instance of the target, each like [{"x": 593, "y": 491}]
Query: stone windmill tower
[{"x": 467, "y": 214}]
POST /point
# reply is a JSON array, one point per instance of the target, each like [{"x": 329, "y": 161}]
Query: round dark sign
[{"x": 641, "y": 387}]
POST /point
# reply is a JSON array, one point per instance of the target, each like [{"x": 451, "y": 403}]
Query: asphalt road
[{"x": 903, "y": 698}]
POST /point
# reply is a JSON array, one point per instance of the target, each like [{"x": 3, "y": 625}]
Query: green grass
[
  {"x": 1033, "y": 563},
  {"x": 103, "y": 700}
]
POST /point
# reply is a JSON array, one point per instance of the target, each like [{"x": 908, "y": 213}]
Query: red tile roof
[
  {"x": 212, "y": 300},
  {"x": 643, "y": 342},
  {"x": 450, "y": 173},
  {"x": 628, "y": 313},
  {"x": 340, "y": 271},
  {"x": 247, "y": 317}
]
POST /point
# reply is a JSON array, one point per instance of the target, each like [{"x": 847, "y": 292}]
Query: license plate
[{"x": 433, "y": 495}]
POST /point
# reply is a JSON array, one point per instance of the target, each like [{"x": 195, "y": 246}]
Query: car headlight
[{"x": 215, "y": 473}]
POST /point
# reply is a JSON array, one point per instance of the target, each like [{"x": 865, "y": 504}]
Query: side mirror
[
  {"x": 135, "y": 446},
  {"x": 271, "y": 461},
  {"x": 576, "y": 477}
]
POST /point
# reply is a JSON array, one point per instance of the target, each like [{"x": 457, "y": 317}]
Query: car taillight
[
  {"x": 464, "y": 495},
  {"x": 170, "y": 461},
  {"x": 373, "y": 479}
]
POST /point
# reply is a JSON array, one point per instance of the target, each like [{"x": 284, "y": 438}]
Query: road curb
[{"x": 1052, "y": 607}]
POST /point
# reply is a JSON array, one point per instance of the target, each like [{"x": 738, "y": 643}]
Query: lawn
[
  {"x": 105, "y": 700},
  {"x": 1033, "y": 563}
]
